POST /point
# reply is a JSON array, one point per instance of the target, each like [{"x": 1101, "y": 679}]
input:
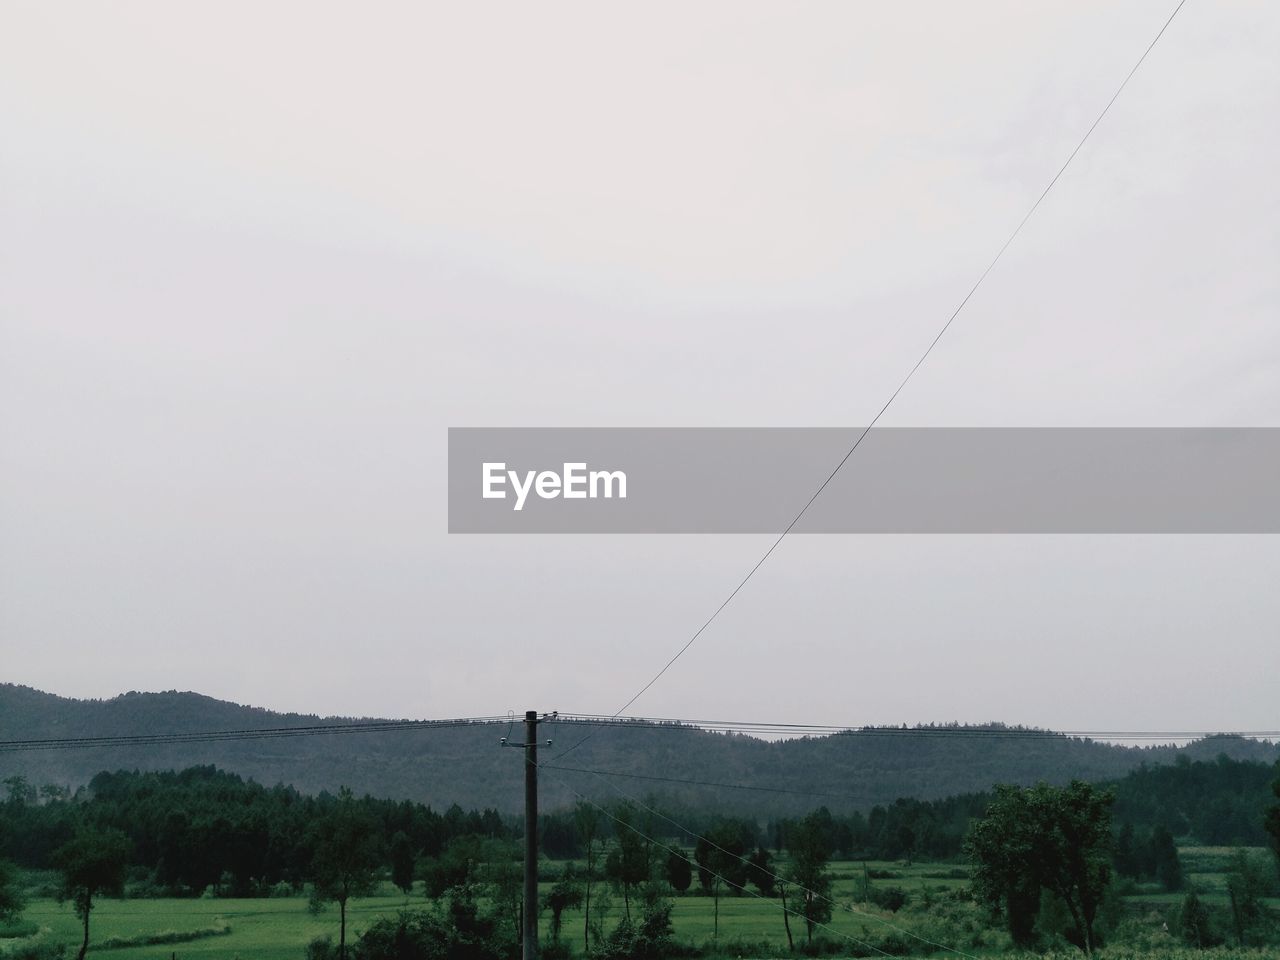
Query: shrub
[
  {"x": 164, "y": 936},
  {"x": 321, "y": 948},
  {"x": 15, "y": 929},
  {"x": 737, "y": 947},
  {"x": 555, "y": 950},
  {"x": 892, "y": 899},
  {"x": 650, "y": 939},
  {"x": 954, "y": 873},
  {"x": 35, "y": 949},
  {"x": 420, "y": 935}
]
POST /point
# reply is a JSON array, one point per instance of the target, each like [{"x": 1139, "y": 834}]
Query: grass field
[{"x": 279, "y": 929}]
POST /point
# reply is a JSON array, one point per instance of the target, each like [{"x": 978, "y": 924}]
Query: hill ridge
[{"x": 465, "y": 765}]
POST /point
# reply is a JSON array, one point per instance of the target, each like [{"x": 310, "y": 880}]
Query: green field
[
  {"x": 279, "y": 929},
  {"x": 275, "y": 929}
]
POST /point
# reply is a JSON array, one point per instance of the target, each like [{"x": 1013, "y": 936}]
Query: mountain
[{"x": 467, "y": 765}]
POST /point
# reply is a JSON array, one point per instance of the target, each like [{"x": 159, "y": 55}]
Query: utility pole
[{"x": 530, "y": 951}]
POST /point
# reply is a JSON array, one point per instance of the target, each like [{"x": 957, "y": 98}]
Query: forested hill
[{"x": 467, "y": 765}]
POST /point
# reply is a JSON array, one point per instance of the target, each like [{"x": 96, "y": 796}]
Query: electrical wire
[
  {"x": 252, "y": 733},
  {"x": 910, "y": 373},
  {"x": 624, "y": 724},
  {"x": 989, "y": 732},
  {"x": 711, "y": 783}
]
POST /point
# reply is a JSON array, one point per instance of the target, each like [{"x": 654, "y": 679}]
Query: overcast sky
[{"x": 255, "y": 259}]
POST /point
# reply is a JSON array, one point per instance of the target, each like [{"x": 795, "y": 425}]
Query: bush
[
  {"x": 737, "y": 947},
  {"x": 892, "y": 899},
  {"x": 146, "y": 889},
  {"x": 895, "y": 944},
  {"x": 955, "y": 873},
  {"x": 164, "y": 936},
  {"x": 321, "y": 948},
  {"x": 648, "y": 940},
  {"x": 420, "y": 935},
  {"x": 555, "y": 950},
  {"x": 823, "y": 947},
  {"x": 16, "y": 929},
  {"x": 35, "y": 949}
]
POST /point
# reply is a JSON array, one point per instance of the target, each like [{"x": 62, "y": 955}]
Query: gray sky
[{"x": 255, "y": 259}]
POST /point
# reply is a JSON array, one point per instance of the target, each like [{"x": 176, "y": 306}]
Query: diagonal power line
[
  {"x": 250, "y": 733},
  {"x": 905, "y": 380}
]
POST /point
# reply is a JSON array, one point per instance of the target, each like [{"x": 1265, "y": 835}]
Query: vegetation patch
[
  {"x": 16, "y": 929},
  {"x": 163, "y": 936}
]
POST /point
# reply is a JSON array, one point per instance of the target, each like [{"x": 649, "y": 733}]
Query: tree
[
  {"x": 566, "y": 894},
  {"x": 650, "y": 939},
  {"x": 1273, "y": 818},
  {"x": 1126, "y": 853},
  {"x": 1044, "y": 838},
  {"x": 402, "y": 862},
  {"x": 721, "y": 859},
  {"x": 587, "y": 818},
  {"x": 1076, "y": 853},
  {"x": 345, "y": 855},
  {"x": 53, "y": 793},
  {"x": 21, "y": 793},
  {"x": 1167, "y": 868},
  {"x": 760, "y": 872},
  {"x": 452, "y": 869},
  {"x": 92, "y": 864},
  {"x": 1194, "y": 923},
  {"x": 809, "y": 846},
  {"x": 11, "y": 900},
  {"x": 503, "y": 873},
  {"x": 628, "y": 863},
  {"x": 462, "y": 930},
  {"x": 679, "y": 872},
  {"x": 906, "y": 842},
  {"x": 786, "y": 915},
  {"x": 1246, "y": 886}
]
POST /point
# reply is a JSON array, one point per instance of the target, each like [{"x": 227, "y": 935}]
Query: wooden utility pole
[{"x": 530, "y": 951}]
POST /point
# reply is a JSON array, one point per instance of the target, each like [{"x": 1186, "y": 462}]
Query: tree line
[
  {"x": 205, "y": 829},
  {"x": 1046, "y": 861},
  {"x": 1220, "y": 803}
]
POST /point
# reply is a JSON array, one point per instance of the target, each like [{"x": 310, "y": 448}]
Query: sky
[{"x": 255, "y": 260}]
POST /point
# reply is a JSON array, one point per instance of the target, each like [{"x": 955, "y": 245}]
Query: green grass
[
  {"x": 264, "y": 929},
  {"x": 279, "y": 929},
  {"x": 276, "y": 929}
]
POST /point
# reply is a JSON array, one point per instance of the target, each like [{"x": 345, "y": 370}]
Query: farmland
[
  {"x": 279, "y": 928},
  {"x": 201, "y": 862}
]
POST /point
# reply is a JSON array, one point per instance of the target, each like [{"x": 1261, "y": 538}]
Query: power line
[
  {"x": 673, "y": 725},
  {"x": 910, "y": 373},
  {"x": 617, "y": 723},
  {"x": 251, "y": 733},
  {"x": 709, "y": 783}
]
